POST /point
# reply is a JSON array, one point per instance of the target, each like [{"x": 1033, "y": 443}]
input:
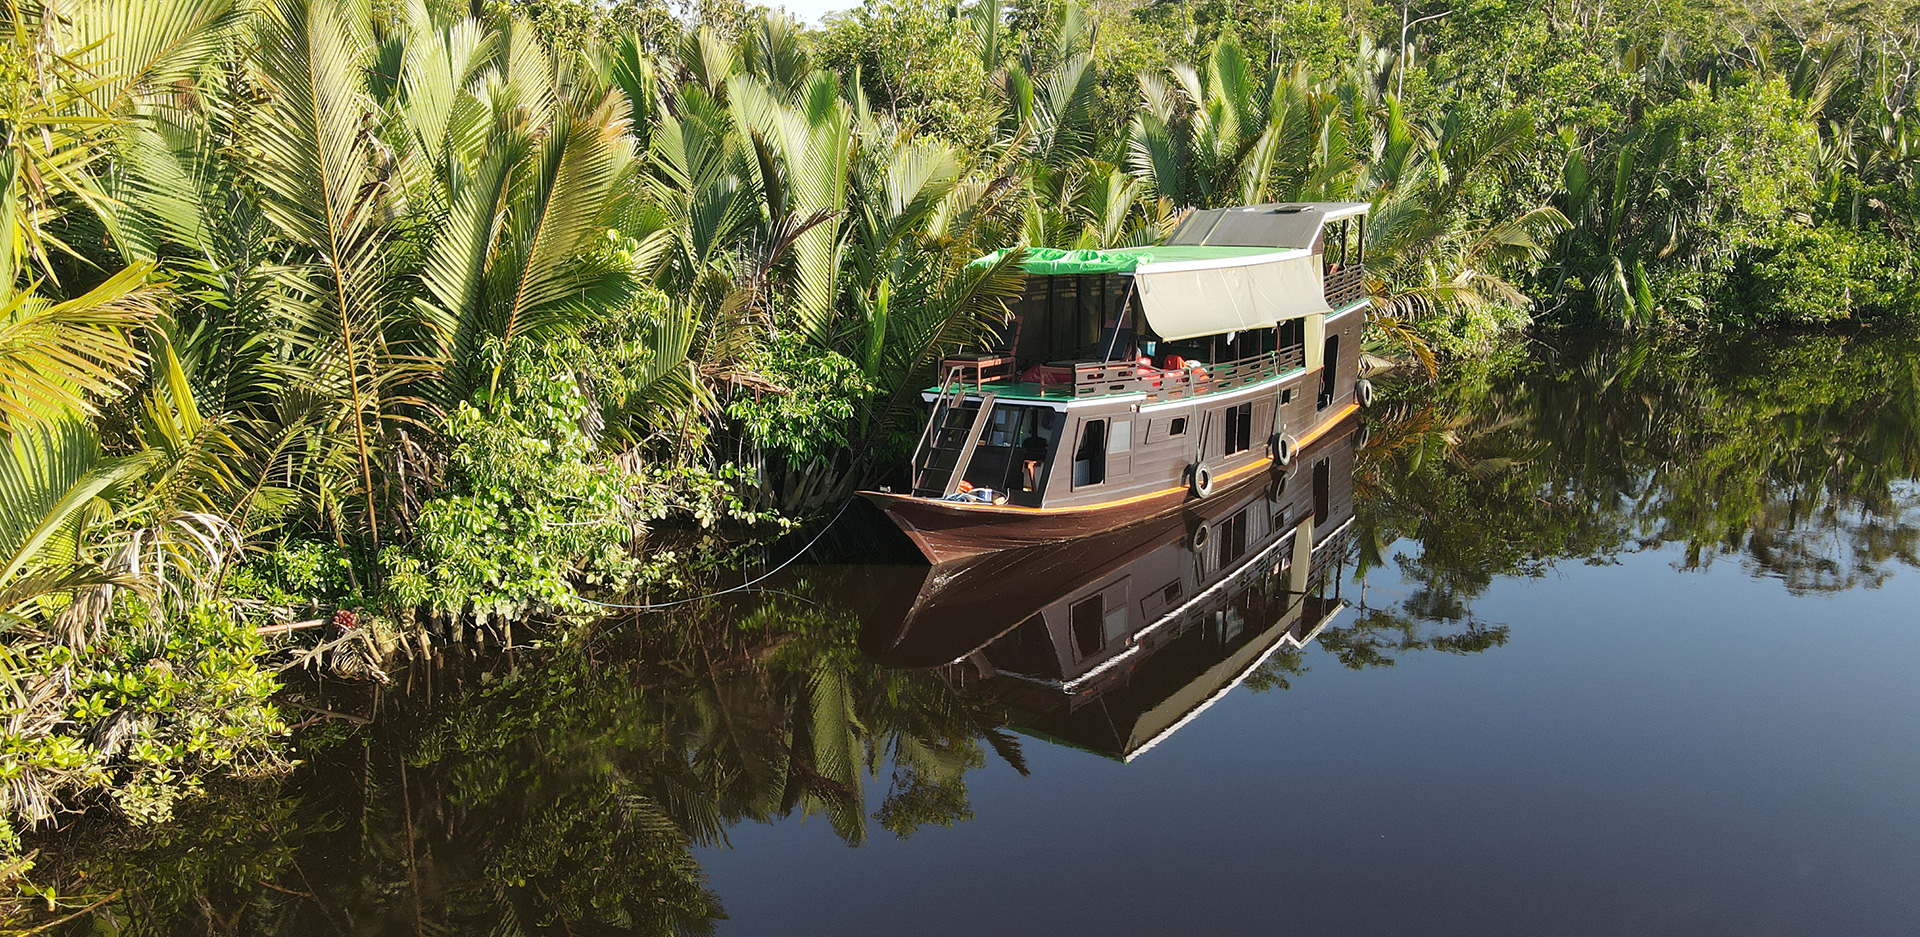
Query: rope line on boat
[
  {"x": 1125, "y": 316},
  {"x": 743, "y": 587}
]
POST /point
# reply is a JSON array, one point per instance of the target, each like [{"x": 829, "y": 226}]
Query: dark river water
[{"x": 1598, "y": 637}]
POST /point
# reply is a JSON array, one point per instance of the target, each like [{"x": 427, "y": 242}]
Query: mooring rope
[{"x": 739, "y": 588}]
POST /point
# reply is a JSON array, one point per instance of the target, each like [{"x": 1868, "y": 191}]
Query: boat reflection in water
[{"x": 1112, "y": 643}]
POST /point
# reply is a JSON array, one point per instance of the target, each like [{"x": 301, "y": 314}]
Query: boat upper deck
[{"x": 1228, "y": 302}]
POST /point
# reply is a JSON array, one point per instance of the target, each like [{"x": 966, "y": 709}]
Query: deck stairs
[{"x": 952, "y": 432}]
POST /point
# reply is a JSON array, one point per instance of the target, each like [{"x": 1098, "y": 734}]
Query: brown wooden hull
[{"x": 946, "y": 531}]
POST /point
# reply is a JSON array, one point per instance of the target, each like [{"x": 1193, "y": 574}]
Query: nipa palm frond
[{"x": 56, "y": 356}]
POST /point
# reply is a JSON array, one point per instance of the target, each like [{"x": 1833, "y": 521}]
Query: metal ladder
[{"x": 950, "y": 437}]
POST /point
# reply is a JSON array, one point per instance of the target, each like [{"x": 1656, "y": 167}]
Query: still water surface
[{"x": 1609, "y": 638}]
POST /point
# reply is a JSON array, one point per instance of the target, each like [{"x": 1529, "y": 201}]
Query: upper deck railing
[
  {"x": 1079, "y": 379},
  {"x": 1345, "y": 285}
]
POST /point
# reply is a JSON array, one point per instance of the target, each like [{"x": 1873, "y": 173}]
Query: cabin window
[
  {"x": 1344, "y": 241},
  {"x": 1066, "y": 326},
  {"x": 1239, "y": 434},
  {"x": 1232, "y": 537},
  {"x": 1157, "y": 601},
  {"x": 1290, "y": 344},
  {"x": 1329, "y": 369},
  {"x": 1163, "y": 429},
  {"x": 1291, "y": 334},
  {"x": 1114, "y": 601},
  {"x": 1004, "y": 425},
  {"x": 1062, "y": 318},
  {"x": 1011, "y": 455},
  {"x": 1088, "y": 619},
  {"x": 1026, "y": 650},
  {"x": 1320, "y": 494},
  {"x": 1090, "y": 456},
  {"x": 1120, "y": 439},
  {"x": 1098, "y": 620}
]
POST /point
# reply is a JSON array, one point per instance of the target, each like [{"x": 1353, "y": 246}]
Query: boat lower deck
[{"x": 948, "y": 530}]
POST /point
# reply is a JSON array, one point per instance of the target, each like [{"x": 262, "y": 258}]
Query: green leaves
[
  {"x": 51, "y": 473},
  {"x": 545, "y": 274},
  {"x": 318, "y": 170},
  {"x": 59, "y": 356}
]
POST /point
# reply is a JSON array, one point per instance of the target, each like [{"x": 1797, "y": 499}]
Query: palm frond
[{"x": 59, "y": 356}]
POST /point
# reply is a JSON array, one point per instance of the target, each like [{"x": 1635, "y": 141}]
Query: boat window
[
  {"x": 1027, "y": 649},
  {"x": 1239, "y": 437},
  {"x": 1114, "y": 600},
  {"x": 1232, "y": 537},
  {"x": 1015, "y": 425},
  {"x": 1290, "y": 340},
  {"x": 1179, "y": 427},
  {"x": 1004, "y": 426},
  {"x": 1121, "y": 437},
  {"x": 1062, "y": 318},
  {"x": 1090, "y": 457},
  {"x": 1320, "y": 506},
  {"x": 1013, "y": 450},
  {"x": 1088, "y": 618},
  {"x": 1156, "y": 600}
]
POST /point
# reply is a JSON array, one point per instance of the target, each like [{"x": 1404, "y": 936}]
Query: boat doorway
[
  {"x": 1329, "y": 372},
  {"x": 1090, "y": 456}
]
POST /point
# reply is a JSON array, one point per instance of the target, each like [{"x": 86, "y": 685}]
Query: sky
[{"x": 811, "y": 11}]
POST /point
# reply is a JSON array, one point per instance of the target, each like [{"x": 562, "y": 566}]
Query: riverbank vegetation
[
  {"x": 583, "y": 786},
  {"x": 333, "y": 332}
]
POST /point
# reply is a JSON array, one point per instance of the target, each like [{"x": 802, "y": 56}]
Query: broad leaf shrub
[
  {"x": 527, "y": 510},
  {"x": 1825, "y": 274},
  {"x": 809, "y": 420},
  {"x": 138, "y": 719},
  {"x": 533, "y": 511}
]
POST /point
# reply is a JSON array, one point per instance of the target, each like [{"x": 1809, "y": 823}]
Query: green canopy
[{"x": 1056, "y": 262}]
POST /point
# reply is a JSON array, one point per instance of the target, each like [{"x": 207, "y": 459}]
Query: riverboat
[
  {"x": 1128, "y": 383},
  {"x": 1114, "y": 642}
]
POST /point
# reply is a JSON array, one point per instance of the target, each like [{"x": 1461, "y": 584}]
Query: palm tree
[{"x": 1230, "y": 135}]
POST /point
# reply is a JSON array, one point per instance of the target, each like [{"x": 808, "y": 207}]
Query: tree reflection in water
[
  {"x": 559, "y": 792},
  {"x": 1795, "y": 454},
  {"x": 563, "y": 790}
]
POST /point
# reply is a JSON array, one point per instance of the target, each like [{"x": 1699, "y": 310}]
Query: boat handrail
[
  {"x": 1345, "y": 285},
  {"x": 1102, "y": 378},
  {"x": 1112, "y": 378},
  {"x": 950, "y": 390}
]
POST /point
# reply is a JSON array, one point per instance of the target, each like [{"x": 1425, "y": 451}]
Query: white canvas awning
[{"x": 1190, "y": 298}]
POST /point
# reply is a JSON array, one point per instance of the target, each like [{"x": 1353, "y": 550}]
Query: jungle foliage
[
  {"x": 332, "y": 331},
  {"x": 574, "y": 787}
]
